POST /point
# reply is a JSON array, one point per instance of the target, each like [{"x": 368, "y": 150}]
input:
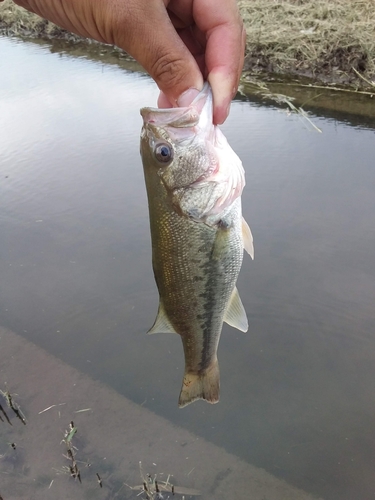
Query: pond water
[{"x": 298, "y": 390}]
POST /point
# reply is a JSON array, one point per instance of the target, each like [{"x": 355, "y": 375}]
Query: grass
[
  {"x": 15, "y": 21},
  {"x": 328, "y": 40}
]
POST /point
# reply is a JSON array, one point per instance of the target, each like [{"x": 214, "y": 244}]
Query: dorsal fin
[
  {"x": 235, "y": 314},
  {"x": 162, "y": 323},
  {"x": 247, "y": 238}
]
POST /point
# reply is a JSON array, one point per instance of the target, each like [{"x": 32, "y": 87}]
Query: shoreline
[{"x": 330, "y": 42}]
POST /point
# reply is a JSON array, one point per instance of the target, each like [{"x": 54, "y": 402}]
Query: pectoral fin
[
  {"x": 162, "y": 323},
  {"x": 235, "y": 314},
  {"x": 247, "y": 238}
]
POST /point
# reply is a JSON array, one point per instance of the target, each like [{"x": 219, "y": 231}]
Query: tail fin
[{"x": 201, "y": 386}]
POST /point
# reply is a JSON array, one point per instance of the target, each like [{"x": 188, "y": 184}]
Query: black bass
[{"x": 194, "y": 182}]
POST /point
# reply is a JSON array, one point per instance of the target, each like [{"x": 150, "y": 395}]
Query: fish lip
[
  {"x": 180, "y": 117},
  {"x": 172, "y": 117}
]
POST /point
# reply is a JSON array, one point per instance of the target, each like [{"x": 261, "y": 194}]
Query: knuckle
[{"x": 168, "y": 70}]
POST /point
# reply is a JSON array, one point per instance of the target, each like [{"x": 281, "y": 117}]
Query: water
[{"x": 297, "y": 393}]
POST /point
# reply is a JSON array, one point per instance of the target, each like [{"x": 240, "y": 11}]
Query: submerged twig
[
  {"x": 154, "y": 488},
  {"x": 283, "y": 99},
  {"x": 13, "y": 406},
  {"x": 50, "y": 407},
  {"x": 73, "y": 467},
  {"x": 100, "y": 482},
  {"x": 5, "y": 415},
  {"x": 69, "y": 434}
]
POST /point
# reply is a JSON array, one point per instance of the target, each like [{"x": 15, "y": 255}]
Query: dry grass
[
  {"x": 15, "y": 21},
  {"x": 321, "y": 38},
  {"x": 324, "y": 39}
]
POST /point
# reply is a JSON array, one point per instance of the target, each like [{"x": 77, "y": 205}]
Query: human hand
[{"x": 180, "y": 43}]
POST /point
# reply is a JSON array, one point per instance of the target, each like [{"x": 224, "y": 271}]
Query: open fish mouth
[
  {"x": 187, "y": 116},
  {"x": 182, "y": 124}
]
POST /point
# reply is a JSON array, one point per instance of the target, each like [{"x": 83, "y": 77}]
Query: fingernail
[
  {"x": 222, "y": 89},
  {"x": 187, "y": 97},
  {"x": 221, "y": 114}
]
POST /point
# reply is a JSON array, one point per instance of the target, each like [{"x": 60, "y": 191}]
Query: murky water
[{"x": 298, "y": 390}]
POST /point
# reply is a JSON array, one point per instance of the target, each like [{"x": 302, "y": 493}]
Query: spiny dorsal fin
[
  {"x": 235, "y": 314},
  {"x": 247, "y": 238},
  {"x": 162, "y": 323}
]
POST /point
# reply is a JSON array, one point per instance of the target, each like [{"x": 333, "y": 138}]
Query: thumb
[{"x": 153, "y": 41}]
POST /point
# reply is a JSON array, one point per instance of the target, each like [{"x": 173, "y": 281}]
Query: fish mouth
[{"x": 184, "y": 117}]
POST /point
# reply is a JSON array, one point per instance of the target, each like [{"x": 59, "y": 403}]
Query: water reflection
[{"x": 75, "y": 264}]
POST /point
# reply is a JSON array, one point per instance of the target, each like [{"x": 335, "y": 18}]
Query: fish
[{"x": 194, "y": 181}]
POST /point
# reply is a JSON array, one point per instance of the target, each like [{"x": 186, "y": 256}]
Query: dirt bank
[{"x": 331, "y": 41}]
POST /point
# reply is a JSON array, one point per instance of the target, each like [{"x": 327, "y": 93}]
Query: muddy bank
[
  {"x": 330, "y": 41},
  {"x": 113, "y": 436}
]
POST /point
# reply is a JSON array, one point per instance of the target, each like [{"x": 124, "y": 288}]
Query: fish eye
[{"x": 163, "y": 152}]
